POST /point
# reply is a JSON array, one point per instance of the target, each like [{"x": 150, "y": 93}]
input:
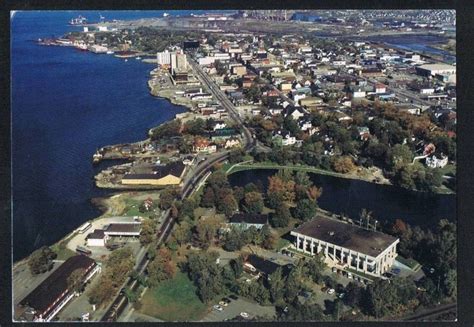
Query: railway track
[{"x": 432, "y": 314}]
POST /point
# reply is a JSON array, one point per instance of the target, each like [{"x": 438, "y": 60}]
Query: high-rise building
[
  {"x": 178, "y": 62},
  {"x": 163, "y": 58}
]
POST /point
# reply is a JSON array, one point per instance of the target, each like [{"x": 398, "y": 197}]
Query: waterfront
[
  {"x": 65, "y": 104},
  {"x": 349, "y": 196}
]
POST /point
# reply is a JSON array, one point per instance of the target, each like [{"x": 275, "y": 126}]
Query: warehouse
[
  {"x": 435, "y": 69},
  {"x": 123, "y": 229},
  {"x": 170, "y": 174},
  {"x": 347, "y": 246},
  {"x": 46, "y": 300}
]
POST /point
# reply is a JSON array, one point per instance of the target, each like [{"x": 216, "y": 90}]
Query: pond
[{"x": 387, "y": 202}]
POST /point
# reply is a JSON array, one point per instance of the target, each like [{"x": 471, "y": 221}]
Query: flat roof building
[
  {"x": 245, "y": 220},
  {"x": 346, "y": 245},
  {"x": 171, "y": 174},
  {"x": 123, "y": 229},
  {"x": 436, "y": 69},
  {"x": 46, "y": 300}
]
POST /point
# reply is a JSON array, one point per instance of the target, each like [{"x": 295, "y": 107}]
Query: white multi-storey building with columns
[{"x": 347, "y": 246}]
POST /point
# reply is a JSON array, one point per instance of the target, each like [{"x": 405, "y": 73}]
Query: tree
[
  {"x": 304, "y": 312},
  {"x": 276, "y": 286},
  {"x": 228, "y": 204},
  {"x": 182, "y": 233},
  {"x": 75, "y": 280},
  {"x": 160, "y": 269},
  {"x": 315, "y": 267},
  {"x": 343, "y": 164},
  {"x": 207, "y": 200},
  {"x": 205, "y": 231},
  {"x": 268, "y": 237},
  {"x": 195, "y": 126},
  {"x": 41, "y": 260},
  {"x": 187, "y": 208},
  {"x": 237, "y": 266},
  {"x": 400, "y": 156},
  {"x": 206, "y": 274},
  {"x": 233, "y": 240},
  {"x": 280, "y": 190},
  {"x": 253, "y": 202},
  {"x": 167, "y": 196},
  {"x": 281, "y": 216},
  {"x": 305, "y": 209},
  {"x": 353, "y": 295},
  {"x": 147, "y": 233}
]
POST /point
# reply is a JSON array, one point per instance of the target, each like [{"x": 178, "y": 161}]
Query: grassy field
[{"x": 174, "y": 300}]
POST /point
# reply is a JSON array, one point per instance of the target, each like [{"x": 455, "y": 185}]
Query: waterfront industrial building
[
  {"x": 46, "y": 300},
  {"x": 347, "y": 246},
  {"x": 171, "y": 174}
]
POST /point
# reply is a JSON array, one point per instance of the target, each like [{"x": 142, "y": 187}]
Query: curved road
[{"x": 189, "y": 184}]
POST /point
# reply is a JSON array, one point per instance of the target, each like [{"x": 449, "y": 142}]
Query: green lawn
[{"x": 174, "y": 300}]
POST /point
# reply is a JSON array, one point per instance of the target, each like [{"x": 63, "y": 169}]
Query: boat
[
  {"x": 138, "y": 58},
  {"x": 110, "y": 52},
  {"x": 165, "y": 14},
  {"x": 80, "y": 20},
  {"x": 126, "y": 60}
]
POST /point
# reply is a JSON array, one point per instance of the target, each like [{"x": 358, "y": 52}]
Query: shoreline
[{"x": 318, "y": 171}]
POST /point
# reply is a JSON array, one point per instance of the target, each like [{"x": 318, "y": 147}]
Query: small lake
[{"x": 387, "y": 203}]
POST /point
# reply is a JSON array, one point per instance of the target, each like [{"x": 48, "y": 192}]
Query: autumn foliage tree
[{"x": 343, "y": 164}]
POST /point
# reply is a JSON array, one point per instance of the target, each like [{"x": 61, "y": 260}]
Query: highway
[{"x": 189, "y": 184}]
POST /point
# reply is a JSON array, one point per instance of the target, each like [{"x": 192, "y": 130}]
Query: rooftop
[
  {"x": 266, "y": 266},
  {"x": 123, "y": 228},
  {"x": 348, "y": 236},
  {"x": 248, "y": 218},
  {"x": 52, "y": 287},
  {"x": 97, "y": 234}
]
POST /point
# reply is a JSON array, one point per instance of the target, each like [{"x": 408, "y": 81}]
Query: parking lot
[
  {"x": 98, "y": 252},
  {"x": 235, "y": 307}
]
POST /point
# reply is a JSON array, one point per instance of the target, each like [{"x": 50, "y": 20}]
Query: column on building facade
[
  {"x": 297, "y": 241},
  {"x": 312, "y": 246},
  {"x": 318, "y": 248},
  {"x": 364, "y": 264},
  {"x": 357, "y": 262}
]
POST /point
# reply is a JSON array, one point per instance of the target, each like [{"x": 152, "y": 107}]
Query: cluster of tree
[
  {"x": 286, "y": 190},
  {"x": 391, "y": 147},
  {"x": 41, "y": 260},
  {"x": 117, "y": 268},
  {"x": 433, "y": 249},
  {"x": 161, "y": 267},
  {"x": 278, "y": 289},
  {"x": 166, "y": 130},
  {"x": 148, "y": 232},
  {"x": 218, "y": 193},
  {"x": 210, "y": 279},
  {"x": 236, "y": 238}
]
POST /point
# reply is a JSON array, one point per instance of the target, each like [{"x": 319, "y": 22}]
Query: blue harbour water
[{"x": 65, "y": 104}]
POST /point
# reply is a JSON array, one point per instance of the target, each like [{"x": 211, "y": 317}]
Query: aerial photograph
[{"x": 233, "y": 165}]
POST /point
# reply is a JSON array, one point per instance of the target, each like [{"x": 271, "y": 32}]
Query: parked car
[
  {"x": 244, "y": 314},
  {"x": 224, "y": 304},
  {"x": 226, "y": 300},
  {"x": 334, "y": 269},
  {"x": 233, "y": 297},
  {"x": 331, "y": 291},
  {"x": 217, "y": 307}
]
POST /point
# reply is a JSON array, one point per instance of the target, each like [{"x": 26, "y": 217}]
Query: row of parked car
[{"x": 224, "y": 302}]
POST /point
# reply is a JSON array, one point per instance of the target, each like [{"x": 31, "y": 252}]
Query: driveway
[{"x": 236, "y": 307}]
